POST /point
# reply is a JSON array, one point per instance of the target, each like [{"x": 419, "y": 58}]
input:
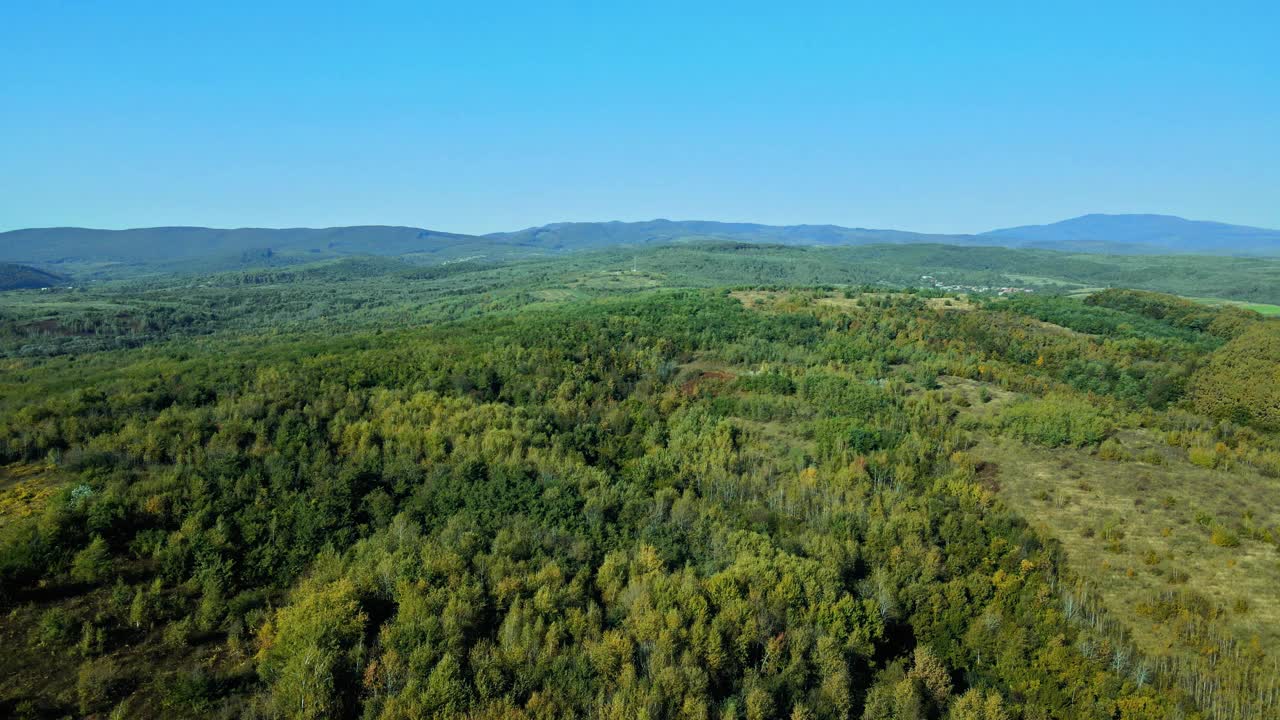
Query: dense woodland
[
  {"x": 142, "y": 304},
  {"x": 566, "y": 499}
]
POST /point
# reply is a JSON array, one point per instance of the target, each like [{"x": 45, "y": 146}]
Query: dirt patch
[
  {"x": 693, "y": 384},
  {"x": 987, "y": 474}
]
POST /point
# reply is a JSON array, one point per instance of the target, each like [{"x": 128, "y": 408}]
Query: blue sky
[{"x": 477, "y": 117}]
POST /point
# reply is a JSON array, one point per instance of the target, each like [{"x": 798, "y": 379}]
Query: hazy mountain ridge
[
  {"x": 182, "y": 247},
  {"x": 581, "y": 235},
  {"x": 177, "y": 243},
  {"x": 1097, "y": 233},
  {"x": 1155, "y": 233}
]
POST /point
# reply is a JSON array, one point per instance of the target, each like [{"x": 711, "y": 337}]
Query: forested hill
[{"x": 22, "y": 277}]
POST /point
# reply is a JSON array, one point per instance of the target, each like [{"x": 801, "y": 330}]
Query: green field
[{"x": 1260, "y": 308}]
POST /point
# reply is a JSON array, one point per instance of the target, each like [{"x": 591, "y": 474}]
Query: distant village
[{"x": 984, "y": 289}]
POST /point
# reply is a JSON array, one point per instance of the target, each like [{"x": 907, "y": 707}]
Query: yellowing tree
[{"x": 310, "y": 648}]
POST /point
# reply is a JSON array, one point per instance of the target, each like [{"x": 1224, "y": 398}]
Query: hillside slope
[{"x": 22, "y": 277}]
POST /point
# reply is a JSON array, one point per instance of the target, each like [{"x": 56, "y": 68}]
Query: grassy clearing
[
  {"x": 1042, "y": 280},
  {"x": 982, "y": 400},
  {"x": 791, "y": 301},
  {"x": 944, "y": 303},
  {"x": 555, "y": 295},
  {"x": 1084, "y": 292},
  {"x": 1143, "y": 529},
  {"x": 1260, "y": 308},
  {"x": 24, "y": 488},
  {"x": 618, "y": 280}
]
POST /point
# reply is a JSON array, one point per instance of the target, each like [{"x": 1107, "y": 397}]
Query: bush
[
  {"x": 1112, "y": 450},
  {"x": 55, "y": 628},
  {"x": 1151, "y": 457},
  {"x": 1203, "y": 457},
  {"x": 97, "y": 684},
  {"x": 1224, "y": 538},
  {"x": 178, "y": 634},
  {"x": 190, "y": 691}
]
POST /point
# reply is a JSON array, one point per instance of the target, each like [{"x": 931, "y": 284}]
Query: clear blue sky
[{"x": 476, "y": 117}]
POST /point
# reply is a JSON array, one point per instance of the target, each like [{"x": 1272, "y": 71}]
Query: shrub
[
  {"x": 1151, "y": 457},
  {"x": 55, "y": 628},
  {"x": 178, "y": 634},
  {"x": 1111, "y": 449},
  {"x": 1203, "y": 457},
  {"x": 188, "y": 690},
  {"x": 97, "y": 683},
  {"x": 1224, "y": 538}
]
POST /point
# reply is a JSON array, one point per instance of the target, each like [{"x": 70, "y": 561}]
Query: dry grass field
[
  {"x": 24, "y": 487},
  {"x": 1143, "y": 530}
]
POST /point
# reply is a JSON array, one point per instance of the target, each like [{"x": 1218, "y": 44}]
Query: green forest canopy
[{"x": 631, "y": 503}]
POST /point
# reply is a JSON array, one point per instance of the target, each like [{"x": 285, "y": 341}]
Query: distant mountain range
[
  {"x": 584, "y": 235},
  {"x": 161, "y": 244},
  {"x": 83, "y": 250},
  {"x": 1145, "y": 234}
]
